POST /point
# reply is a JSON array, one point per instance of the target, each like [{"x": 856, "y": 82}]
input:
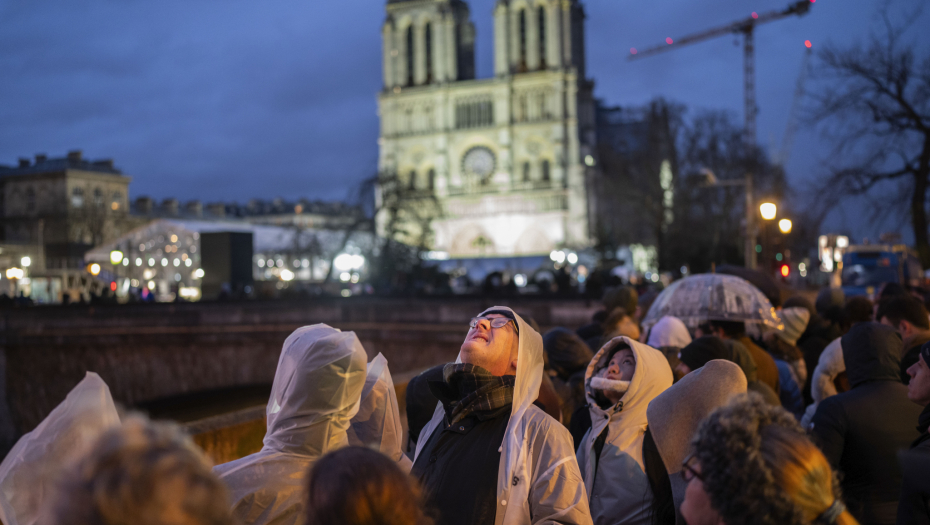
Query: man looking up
[
  {"x": 489, "y": 455},
  {"x": 908, "y": 317}
]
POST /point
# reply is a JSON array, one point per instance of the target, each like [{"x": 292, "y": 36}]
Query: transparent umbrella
[{"x": 712, "y": 297}]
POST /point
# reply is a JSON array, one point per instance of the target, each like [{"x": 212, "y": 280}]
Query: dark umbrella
[{"x": 763, "y": 281}]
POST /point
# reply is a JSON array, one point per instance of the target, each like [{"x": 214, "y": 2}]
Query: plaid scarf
[{"x": 467, "y": 389}]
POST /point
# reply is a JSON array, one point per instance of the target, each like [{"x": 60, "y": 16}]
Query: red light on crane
[
  {"x": 632, "y": 50},
  {"x": 112, "y": 286},
  {"x": 669, "y": 41},
  {"x": 807, "y": 44},
  {"x": 755, "y": 14},
  {"x": 785, "y": 270}
]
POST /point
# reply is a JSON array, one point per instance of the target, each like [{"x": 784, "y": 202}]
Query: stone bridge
[{"x": 198, "y": 362}]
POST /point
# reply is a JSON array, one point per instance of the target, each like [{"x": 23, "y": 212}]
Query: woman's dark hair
[{"x": 360, "y": 486}]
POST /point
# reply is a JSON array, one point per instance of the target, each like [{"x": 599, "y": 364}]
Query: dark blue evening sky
[{"x": 232, "y": 100}]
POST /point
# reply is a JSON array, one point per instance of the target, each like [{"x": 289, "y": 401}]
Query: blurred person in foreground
[
  {"x": 909, "y": 317},
  {"x": 914, "y": 506},
  {"x": 316, "y": 391},
  {"x": 359, "y": 486},
  {"x": 861, "y": 431},
  {"x": 143, "y": 473},
  {"x": 489, "y": 455},
  {"x": 621, "y": 380},
  {"x": 751, "y": 464},
  {"x": 792, "y": 371},
  {"x": 674, "y": 417}
]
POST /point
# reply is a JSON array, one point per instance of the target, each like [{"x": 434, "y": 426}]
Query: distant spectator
[
  {"x": 315, "y": 394},
  {"x": 913, "y": 507},
  {"x": 752, "y": 464},
  {"x": 143, "y": 473},
  {"x": 614, "y": 297},
  {"x": 909, "y": 317},
  {"x": 792, "y": 372},
  {"x": 736, "y": 330},
  {"x": 568, "y": 358},
  {"x": 620, "y": 323},
  {"x": 359, "y": 486},
  {"x": 827, "y": 379},
  {"x": 861, "y": 431},
  {"x": 858, "y": 309},
  {"x": 816, "y": 337},
  {"x": 829, "y": 298},
  {"x": 668, "y": 331}
]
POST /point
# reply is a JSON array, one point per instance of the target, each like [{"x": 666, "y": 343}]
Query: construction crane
[
  {"x": 746, "y": 28},
  {"x": 791, "y": 128}
]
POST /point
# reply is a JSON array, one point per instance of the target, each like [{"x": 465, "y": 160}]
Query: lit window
[{"x": 77, "y": 197}]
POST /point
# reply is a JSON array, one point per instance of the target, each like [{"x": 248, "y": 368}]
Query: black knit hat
[{"x": 702, "y": 350}]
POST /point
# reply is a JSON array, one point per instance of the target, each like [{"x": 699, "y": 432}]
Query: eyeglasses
[
  {"x": 496, "y": 322},
  {"x": 688, "y": 472}
]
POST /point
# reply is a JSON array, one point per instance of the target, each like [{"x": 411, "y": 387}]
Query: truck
[{"x": 868, "y": 267}]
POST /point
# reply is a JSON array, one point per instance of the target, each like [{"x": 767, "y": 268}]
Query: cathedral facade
[{"x": 509, "y": 160}]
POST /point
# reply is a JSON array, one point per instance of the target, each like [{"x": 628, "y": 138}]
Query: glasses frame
[
  {"x": 473, "y": 323},
  {"x": 687, "y": 471}
]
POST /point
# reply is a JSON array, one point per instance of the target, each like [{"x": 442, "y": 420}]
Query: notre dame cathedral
[{"x": 510, "y": 160}]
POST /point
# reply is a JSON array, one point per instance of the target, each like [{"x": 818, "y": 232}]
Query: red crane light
[
  {"x": 755, "y": 14},
  {"x": 669, "y": 41},
  {"x": 632, "y": 50},
  {"x": 807, "y": 44},
  {"x": 785, "y": 270},
  {"x": 112, "y": 286}
]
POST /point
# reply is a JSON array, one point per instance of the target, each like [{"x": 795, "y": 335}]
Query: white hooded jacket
[
  {"x": 35, "y": 463},
  {"x": 538, "y": 480},
  {"x": 315, "y": 394},
  {"x": 377, "y": 423},
  {"x": 619, "y": 490},
  {"x": 830, "y": 365}
]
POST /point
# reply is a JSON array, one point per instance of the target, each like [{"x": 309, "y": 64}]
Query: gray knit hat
[
  {"x": 741, "y": 485},
  {"x": 795, "y": 321}
]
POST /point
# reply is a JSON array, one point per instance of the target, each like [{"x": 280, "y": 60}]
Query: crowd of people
[{"x": 822, "y": 420}]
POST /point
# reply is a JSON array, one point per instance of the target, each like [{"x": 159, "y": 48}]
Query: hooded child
[
  {"x": 315, "y": 395},
  {"x": 489, "y": 456},
  {"x": 621, "y": 380}
]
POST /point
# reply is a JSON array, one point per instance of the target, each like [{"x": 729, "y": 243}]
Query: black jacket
[
  {"x": 862, "y": 430},
  {"x": 913, "y": 508},
  {"x": 458, "y": 466}
]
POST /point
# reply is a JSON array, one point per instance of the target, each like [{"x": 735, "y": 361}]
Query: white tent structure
[{"x": 163, "y": 257}]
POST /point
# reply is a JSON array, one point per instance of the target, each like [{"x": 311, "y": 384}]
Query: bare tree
[{"x": 877, "y": 107}]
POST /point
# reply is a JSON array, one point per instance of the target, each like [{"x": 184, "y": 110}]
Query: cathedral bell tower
[
  {"x": 538, "y": 35},
  {"x": 427, "y": 42}
]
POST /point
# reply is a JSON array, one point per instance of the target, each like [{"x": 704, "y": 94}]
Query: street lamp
[
  {"x": 768, "y": 210},
  {"x": 785, "y": 226},
  {"x": 116, "y": 257}
]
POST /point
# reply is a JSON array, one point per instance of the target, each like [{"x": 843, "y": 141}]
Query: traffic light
[{"x": 785, "y": 270}]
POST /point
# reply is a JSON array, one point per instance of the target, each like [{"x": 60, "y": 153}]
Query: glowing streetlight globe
[
  {"x": 94, "y": 269},
  {"x": 768, "y": 210},
  {"x": 785, "y": 226},
  {"x": 116, "y": 257}
]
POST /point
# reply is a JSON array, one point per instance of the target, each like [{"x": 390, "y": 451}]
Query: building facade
[{"x": 507, "y": 161}]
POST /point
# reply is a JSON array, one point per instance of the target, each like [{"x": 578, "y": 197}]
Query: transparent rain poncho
[
  {"x": 377, "y": 423},
  {"x": 320, "y": 376},
  {"x": 29, "y": 471},
  {"x": 538, "y": 478}
]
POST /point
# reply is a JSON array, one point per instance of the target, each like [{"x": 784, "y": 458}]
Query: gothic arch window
[
  {"x": 526, "y": 172},
  {"x": 428, "y": 33},
  {"x": 98, "y": 197},
  {"x": 431, "y": 180},
  {"x": 410, "y": 51},
  {"x": 412, "y": 181},
  {"x": 541, "y": 18},
  {"x": 521, "y": 67},
  {"x": 545, "y": 171}
]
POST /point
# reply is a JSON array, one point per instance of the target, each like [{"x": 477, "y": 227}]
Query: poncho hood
[
  {"x": 377, "y": 423},
  {"x": 316, "y": 390},
  {"x": 872, "y": 352}
]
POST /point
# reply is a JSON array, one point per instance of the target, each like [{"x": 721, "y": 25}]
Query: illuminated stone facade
[{"x": 509, "y": 159}]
